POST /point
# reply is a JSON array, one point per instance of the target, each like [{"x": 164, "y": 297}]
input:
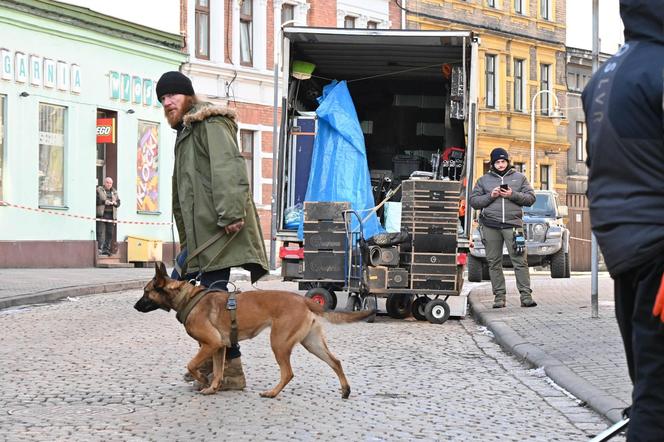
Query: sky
[
  {"x": 580, "y": 25},
  {"x": 164, "y": 15},
  {"x": 159, "y": 14}
]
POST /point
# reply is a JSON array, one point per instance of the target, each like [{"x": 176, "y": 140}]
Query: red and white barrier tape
[{"x": 90, "y": 218}]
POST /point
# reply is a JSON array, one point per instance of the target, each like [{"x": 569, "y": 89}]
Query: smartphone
[{"x": 504, "y": 186}]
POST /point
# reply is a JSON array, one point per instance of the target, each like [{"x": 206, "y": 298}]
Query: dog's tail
[{"x": 338, "y": 317}]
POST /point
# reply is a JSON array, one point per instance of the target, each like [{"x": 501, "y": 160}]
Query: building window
[
  {"x": 520, "y": 167},
  {"x": 518, "y": 6},
  {"x": 372, "y": 25},
  {"x": 544, "y": 177},
  {"x": 518, "y": 85},
  {"x": 490, "y": 72},
  {"x": 147, "y": 167},
  {"x": 349, "y": 22},
  {"x": 580, "y": 141},
  {"x": 491, "y": 3},
  {"x": 2, "y": 142},
  {"x": 51, "y": 155},
  {"x": 545, "y": 11},
  {"x": 246, "y": 30},
  {"x": 545, "y": 84},
  {"x": 203, "y": 29},
  {"x": 287, "y": 13},
  {"x": 247, "y": 152}
]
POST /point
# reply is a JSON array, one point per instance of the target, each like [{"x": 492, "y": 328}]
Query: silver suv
[{"x": 547, "y": 239}]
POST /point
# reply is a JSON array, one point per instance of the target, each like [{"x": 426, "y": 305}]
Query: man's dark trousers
[
  {"x": 643, "y": 338},
  {"x": 105, "y": 232}
]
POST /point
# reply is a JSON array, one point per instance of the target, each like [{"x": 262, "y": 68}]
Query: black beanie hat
[
  {"x": 499, "y": 154},
  {"x": 174, "y": 82}
]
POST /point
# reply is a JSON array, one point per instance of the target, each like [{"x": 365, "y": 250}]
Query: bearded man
[{"x": 213, "y": 207}]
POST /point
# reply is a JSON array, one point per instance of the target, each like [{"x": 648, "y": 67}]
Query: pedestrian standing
[
  {"x": 107, "y": 210},
  {"x": 500, "y": 194},
  {"x": 623, "y": 108},
  {"x": 217, "y": 221}
]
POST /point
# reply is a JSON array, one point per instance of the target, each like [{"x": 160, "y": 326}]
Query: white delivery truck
[{"x": 415, "y": 94}]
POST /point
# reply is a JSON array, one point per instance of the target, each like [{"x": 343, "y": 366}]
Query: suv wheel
[
  {"x": 559, "y": 265},
  {"x": 474, "y": 269}
]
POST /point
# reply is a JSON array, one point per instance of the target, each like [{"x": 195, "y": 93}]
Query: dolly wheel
[
  {"x": 437, "y": 311},
  {"x": 418, "y": 306},
  {"x": 321, "y": 296}
]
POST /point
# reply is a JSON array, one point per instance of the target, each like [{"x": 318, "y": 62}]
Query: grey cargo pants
[{"x": 493, "y": 240}]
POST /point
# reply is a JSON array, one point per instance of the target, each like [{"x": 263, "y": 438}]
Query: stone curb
[{"x": 598, "y": 400}]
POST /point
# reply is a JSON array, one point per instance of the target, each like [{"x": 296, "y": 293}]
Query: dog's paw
[
  {"x": 198, "y": 386},
  {"x": 208, "y": 390},
  {"x": 268, "y": 394}
]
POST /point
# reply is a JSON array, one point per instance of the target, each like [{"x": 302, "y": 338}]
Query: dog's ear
[{"x": 160, "y": 273}]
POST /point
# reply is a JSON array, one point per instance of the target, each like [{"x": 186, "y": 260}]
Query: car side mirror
[{"x": 562, "y": 211}]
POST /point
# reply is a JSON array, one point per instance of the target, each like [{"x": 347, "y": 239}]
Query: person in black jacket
[
  {"x": 623, "y": 107},
  {"x": 500, "y": 194}
]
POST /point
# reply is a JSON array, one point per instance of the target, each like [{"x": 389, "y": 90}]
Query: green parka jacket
[{"x": 211, "y": 190}]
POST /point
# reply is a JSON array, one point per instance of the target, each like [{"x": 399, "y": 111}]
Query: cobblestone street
[{"x": 92, "y": 368}]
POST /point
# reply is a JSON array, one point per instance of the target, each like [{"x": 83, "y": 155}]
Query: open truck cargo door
[{"x": 415, "y": 94}]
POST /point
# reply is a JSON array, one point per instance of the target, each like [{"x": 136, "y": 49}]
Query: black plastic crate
[
  {"x": 429, "y": 258},
  {"x": 433, "y": 282},
  {"x": 404, "y": 165},
  {"x": 324, "y": 241},
  {"x": 323, "y": 210},
  {"x": 324, "y": 264}
]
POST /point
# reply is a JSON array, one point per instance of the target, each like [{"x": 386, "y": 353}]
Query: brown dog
[{"x": 293, "y": 319}]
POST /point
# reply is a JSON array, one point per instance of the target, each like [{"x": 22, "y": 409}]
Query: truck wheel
[
  {"x": 559, "y": 265},
  {"x": 437, "y": 311},
  {"x": 398, "y": 305},
  {"x": 321, "y": 296},
  {"x": 474, "y": 269}
]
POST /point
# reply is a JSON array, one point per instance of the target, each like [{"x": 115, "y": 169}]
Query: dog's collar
[{"x": 184, "y": 311}]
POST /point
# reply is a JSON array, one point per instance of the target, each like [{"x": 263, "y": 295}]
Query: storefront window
[
  {"x": 51, "y": 155},
  {"x": 147, "y": 167},
  {"x": 2, "y": 142}
]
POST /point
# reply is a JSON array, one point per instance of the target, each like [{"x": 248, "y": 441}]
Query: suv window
[{"x": 543, "y": 205}]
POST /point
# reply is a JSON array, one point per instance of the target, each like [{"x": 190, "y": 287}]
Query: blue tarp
[{"x": 339, "y": 169}]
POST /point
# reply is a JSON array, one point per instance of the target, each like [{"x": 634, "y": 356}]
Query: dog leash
[{"x": 204, "y": 246}]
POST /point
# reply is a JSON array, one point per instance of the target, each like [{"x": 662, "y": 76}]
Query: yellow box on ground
[{"x": 143, "y": 249}]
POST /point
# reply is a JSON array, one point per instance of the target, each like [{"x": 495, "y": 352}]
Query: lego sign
[{"x": 105, "y": 130}]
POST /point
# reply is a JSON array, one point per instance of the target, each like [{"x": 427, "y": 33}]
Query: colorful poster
[{"x": 147, "y": 176}]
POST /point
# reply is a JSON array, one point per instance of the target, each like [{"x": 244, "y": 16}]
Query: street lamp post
[{"x": 557, "y": 115}]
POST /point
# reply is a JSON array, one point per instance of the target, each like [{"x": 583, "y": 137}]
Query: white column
[
  {"x": 259, "y": 30},
  {"x": 235, "y": 23}
]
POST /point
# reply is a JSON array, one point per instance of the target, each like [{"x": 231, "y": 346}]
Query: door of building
[{"x": 107, "y": 150}]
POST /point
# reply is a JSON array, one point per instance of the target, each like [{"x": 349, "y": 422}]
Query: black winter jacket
[{"x": 623, "y": 107}]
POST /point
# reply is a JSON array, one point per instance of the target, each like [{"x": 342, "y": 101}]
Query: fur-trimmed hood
[{"x": 204, "y": 110}]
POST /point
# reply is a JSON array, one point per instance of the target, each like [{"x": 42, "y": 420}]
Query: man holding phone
[{"x": 500, "y": 194}]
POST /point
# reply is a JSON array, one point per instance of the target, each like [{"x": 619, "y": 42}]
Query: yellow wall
[{"x": 502, "y": 126}]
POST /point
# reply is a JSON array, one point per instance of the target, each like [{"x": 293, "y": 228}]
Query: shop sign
[
  {"x": 105, "y": 130},
  {"x": 37, "y": 71},
  {"x": 132, "y": 89}
]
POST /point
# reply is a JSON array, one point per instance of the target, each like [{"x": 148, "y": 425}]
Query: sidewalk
[
  {"x": 583, "y": 355},
  {"x": 31, "y": 286}
]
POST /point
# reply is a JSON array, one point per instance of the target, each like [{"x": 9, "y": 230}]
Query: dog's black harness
[
  {"x": 231, "y": 306},
  {"x": 182, "y": 314}
]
